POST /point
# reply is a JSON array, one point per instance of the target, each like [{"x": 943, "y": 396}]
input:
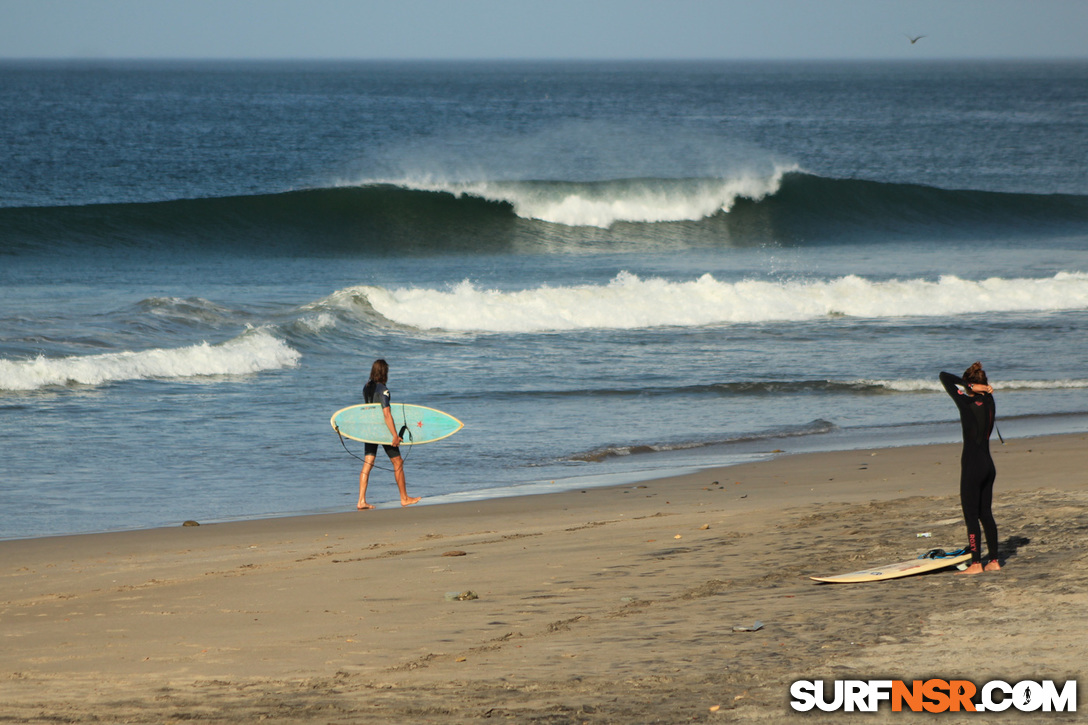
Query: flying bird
[{"x": 914, "y": 39}]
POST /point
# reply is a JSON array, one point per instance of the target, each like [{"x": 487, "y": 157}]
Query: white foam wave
[
  {"x": 629, "y": 302},
  {"x": 255, "y": 351},
  {"x": 934, "y": 385},
  {"x": 317, "y": 322},
  {"x": 602, "y": 204}
]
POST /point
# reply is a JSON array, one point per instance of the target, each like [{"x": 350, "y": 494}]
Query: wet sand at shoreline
[{"x": 598, "y": 606}]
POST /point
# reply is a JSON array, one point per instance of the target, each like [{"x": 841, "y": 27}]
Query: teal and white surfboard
[{"x": 366, "y": 423}]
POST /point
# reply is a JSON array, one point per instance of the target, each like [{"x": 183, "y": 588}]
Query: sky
[{"x": 543, "y": 29}]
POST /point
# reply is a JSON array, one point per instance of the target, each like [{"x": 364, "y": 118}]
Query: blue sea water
[{"x": 606, "y": 270}]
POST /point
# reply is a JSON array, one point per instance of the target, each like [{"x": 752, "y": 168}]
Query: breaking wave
[
  {"x": 424, "y": 216},
  {"x": 603, "y": 204},
  {"x": 630, "y": 302},
  {"x": 252, "y": 352}
]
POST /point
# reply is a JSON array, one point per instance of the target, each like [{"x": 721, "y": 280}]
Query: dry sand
[{"x": 611, "y": 605}]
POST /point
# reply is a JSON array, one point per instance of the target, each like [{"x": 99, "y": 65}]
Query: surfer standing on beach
[
  {"x": 375, "y": 392},
  {"x": 977, "y": 472}
]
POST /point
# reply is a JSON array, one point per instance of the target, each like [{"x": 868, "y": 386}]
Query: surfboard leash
[
  {"x": 404, "y": 456},
  {"x": 942, "y": 554},
  {"x": 345, "y": 445}
]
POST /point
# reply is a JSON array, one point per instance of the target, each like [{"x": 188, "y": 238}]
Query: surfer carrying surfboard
[
  {"x": 375, "y": 391},
  {"x": 977, "y": 472}
]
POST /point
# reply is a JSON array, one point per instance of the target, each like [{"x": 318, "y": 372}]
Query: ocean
[{"x": 608, "y": 271}]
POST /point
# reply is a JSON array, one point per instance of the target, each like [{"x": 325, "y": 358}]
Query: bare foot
[
  {"x": 363, "y": 506},
  {"x": 410, "y": 500},
  {"x": 992, "y": 565},
  {"x": 975, "y": 568}
]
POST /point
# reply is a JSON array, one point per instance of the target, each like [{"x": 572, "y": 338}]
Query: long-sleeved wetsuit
[{"x": 977, "y": 470}]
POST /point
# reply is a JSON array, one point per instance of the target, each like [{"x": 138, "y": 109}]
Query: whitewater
[
  {"x": 626, "y": 302},
  {"x": 605, "y": 203},
  {"x": 248, "y": 354},
  {"x": 629, "y": 302}
]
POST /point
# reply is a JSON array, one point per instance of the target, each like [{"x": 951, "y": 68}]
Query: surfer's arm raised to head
[{"x": 950, "y": 381}]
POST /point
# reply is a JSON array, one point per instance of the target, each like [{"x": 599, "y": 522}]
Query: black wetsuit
[
  {"x": 375, "y": 392},
  {"x": 977, "y": 470}
]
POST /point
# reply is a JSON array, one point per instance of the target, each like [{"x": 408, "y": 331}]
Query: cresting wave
[
  {"x": 254, "y": 351},
  {"x": 420, "y": 216},
  {"x": 604, "y": 203},
  {"x": 630, "y": 302}
]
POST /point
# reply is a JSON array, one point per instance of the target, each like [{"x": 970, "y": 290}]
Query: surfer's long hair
[
  {"x": 379, "y": 373},
  {"x": 975, "y": 375}
]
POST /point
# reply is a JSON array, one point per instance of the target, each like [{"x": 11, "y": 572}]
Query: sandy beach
[{"x": 610, "y": 605}]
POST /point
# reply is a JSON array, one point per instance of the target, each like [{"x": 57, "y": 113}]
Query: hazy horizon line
[{"x": 547, "y": 59}]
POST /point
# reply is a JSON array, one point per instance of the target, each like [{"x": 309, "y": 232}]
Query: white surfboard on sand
[{"x": 930, "y": 561}]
